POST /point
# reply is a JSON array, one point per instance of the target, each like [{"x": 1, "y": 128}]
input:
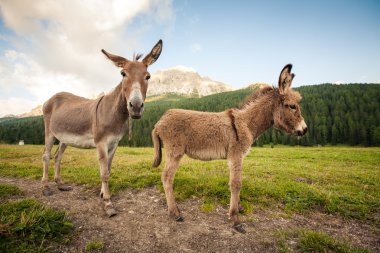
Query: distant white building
[{"x": 21, "y": 142}]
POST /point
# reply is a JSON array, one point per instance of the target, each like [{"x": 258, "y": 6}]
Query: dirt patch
[{"x": 142, "y": 224}]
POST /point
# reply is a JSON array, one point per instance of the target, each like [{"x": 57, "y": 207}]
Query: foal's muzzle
[
  {"x": 301, "y": 132},
  {"x": 301, "y": 129}
]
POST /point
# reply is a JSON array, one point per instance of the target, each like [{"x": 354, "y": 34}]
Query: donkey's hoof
[
  {"x": 65, "y": 187},
  {"x": 111, "y": 212},
  {"x": 239, "y": 228},
  {"x": 47, "y": 192},
  {"x": 179, "y": 219}
]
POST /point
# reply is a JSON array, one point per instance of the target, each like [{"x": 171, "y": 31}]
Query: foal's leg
[
  {"x": 57, "y": 175},
  {"x": 49, "y": 142},
  {"x": 235, "y": 165},
  {"x": 167, "y": 178},
  {"x": 104, "y": 175}
]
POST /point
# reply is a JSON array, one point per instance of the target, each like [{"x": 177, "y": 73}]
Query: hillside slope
[{"x": 344, "y": 114}]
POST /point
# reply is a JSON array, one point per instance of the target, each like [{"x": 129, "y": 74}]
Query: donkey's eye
[
  {"x": 293, "y": 107},
  {"x": 147, "y": 77},
  {"x": 123, "y": 73}
]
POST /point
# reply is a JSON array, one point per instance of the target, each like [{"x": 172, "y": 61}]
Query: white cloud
[
  {"x": 195, "y": 47},
  {"x": 14, "y": 106},
  {"x": 57, "y": 43},
  {"x": 338, "y": 82}
]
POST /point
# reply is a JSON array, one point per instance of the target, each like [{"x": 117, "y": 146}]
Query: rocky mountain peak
[{"x": 184, "y": 80}]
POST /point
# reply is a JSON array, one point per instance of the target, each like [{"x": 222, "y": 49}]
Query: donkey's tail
[{"x": 157, "y": 144}]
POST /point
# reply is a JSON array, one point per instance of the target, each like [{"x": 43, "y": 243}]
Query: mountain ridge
[
  {"x": 179, "y": 80},
  {"x": 184, "y": 80}
]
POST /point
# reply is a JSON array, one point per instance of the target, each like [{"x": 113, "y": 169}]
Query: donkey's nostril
[
  {"x": 130, "y": 104},
  {"x": 142, "y": 105}
]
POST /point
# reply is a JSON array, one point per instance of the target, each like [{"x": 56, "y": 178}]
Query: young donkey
[
  {"x": 101, "y": 123},
  {"x": 225, "y": 135}
]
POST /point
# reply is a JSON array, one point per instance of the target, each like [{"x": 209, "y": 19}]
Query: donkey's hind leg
[
  {"x": 167, "y": 178},
  {"x": 49, "y": 142},
  {"x": 57, "y": 168}
]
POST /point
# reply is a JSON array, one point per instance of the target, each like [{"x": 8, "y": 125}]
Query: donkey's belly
[{"x": 78, "y": 141}]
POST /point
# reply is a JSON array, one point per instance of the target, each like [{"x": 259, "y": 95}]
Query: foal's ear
[
  {"x": 117, "y": 60},
  {"x": 154, "y": 54},
  {"x": 285, "y": 79}
]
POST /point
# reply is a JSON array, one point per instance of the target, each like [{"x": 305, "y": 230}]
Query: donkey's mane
[
  {"x": 137, "y": 56},
  {"x": 255, "y": 95}
]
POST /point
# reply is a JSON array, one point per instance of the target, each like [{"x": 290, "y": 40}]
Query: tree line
[{"x": 335, "y": 114}]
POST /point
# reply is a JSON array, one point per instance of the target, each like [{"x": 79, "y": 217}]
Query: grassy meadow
[
  {"x": 27, "y": 225},
  {"x": 337, "y": 180}
]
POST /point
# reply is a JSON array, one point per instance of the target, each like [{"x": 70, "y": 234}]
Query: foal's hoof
[
  {"x": 65, "y": 187},
  {"x": 239, "y": 228},
  {"x": 111, "y": 212},
  {"x": 179, "y": 219},
  {"x": 176, "y": 217},
  {"x": 47, "y": 192}
]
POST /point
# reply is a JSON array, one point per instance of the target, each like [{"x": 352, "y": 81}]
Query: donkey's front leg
[
  {"x": 111, "y": 153},
  {"x": 104, "y": 175},
  {"x": 235, "y": 165}
]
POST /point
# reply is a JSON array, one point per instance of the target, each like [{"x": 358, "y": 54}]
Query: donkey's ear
[
  {"x": 117, "y": 60},
  {"x": 285, "y": 79},
  {"x": 154, "y": 54}
]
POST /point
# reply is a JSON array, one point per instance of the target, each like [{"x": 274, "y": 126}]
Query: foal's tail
[{"x": 157, "y": 143}]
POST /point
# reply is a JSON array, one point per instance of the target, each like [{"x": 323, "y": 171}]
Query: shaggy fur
[
  {"x": 225, "y": 135},
  {"x": 101, "y": 123}
]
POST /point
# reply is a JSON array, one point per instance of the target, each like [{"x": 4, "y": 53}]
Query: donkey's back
[
  {"x": 65, "y": 101},
  {"x": 69, "y": 118}
]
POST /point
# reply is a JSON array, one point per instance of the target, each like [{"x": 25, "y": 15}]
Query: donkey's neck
[
  {"x": 119, "y": 104},
  {"x": 258, "y": 115},
  {"x": 115, "y": 105}
]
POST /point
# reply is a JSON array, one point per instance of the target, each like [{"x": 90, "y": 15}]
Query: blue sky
[
  {"x": 50, "y": 46},
  {"x": 249, "y": 41}
]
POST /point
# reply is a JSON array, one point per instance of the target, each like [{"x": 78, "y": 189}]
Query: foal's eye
[
  {"x": 147, "y": 77},
  {"x": 123, "y": 73}
]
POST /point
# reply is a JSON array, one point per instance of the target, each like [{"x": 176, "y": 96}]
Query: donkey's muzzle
[
  {"x": 135, "y": 109},
  {"x": 136, "y": 116}
]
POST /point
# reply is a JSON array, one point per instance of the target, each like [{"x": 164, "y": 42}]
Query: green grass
[
  {"x": 94, "y": 245},
  {"x": 207, "y": 207},
  {"x": 7, "y": 191},
  {"x": 28, "y": 226},
  {"x": 314, "y": 241},
  {"x": 338, "y": 180}
]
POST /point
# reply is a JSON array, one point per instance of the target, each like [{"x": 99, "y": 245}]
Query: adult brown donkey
[
  {"x": 226, "y": 135},
  {"x": 101, "y": 123}
]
